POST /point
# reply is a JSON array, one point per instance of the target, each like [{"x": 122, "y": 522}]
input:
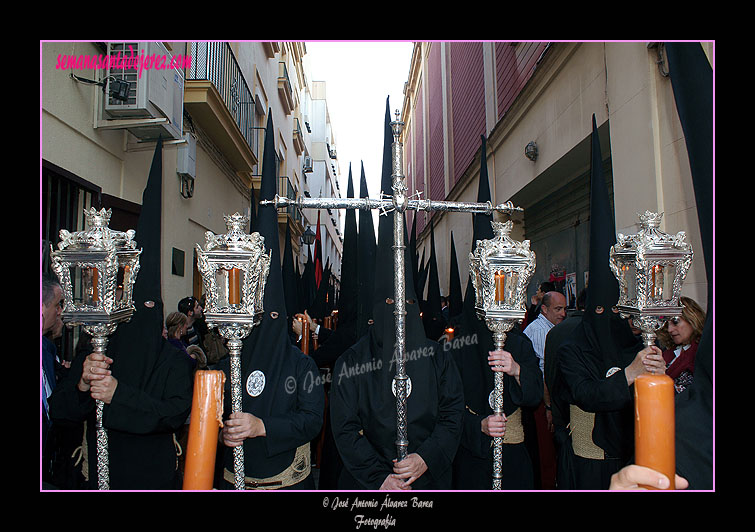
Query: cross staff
[{"x": 399, "y": 203}]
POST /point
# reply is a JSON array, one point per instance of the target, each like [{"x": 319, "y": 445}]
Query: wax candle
[
  {"x": 450, "y": 333},
  {"x": 234, "y": 291},
  {"x": 206, "y": 418},
  {"x": 95, "y": 285},
  {"x": 304, "y": 336},
  {"x": 654, "y": 424},
  {"x": 500, "y": 278}
]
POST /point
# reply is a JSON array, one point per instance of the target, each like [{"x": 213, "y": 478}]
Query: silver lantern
[
  {"x": 650, "y": 267},
  {"x": 97, "y": 269},
  {"x": 234, "y": 269},
  {"x": 500, "y": 270}
]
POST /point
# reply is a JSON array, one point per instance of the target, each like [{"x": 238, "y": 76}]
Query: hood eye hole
[
  {"x": 274, "y": 315},
  {"x": 599, "y": 310},
  {"x": 389, "y": 300}
]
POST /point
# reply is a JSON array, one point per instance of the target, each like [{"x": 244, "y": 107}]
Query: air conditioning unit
[
  {"x": 156, "y": 91},
  {"x": 308, "y": 163},
  {"x": 186, "y": 164}
]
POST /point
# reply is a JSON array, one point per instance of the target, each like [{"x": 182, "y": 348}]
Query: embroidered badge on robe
[{"x": 255, "y": 383}]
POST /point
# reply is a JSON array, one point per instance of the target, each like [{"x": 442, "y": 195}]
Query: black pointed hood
[
  {"x": 606, "y": 330},
  {"x": 365, "y": 261},
  {"x": 413, "y": 255},
  {"x": 347, "y": 301},
  {"x": 345, "y": 334},
  {"x": 424, "y": 269},
  {"x": 269, "y": 339},
  {"x": 136, "y": 345},
  {"x": 692, "y": 83},
  {"x": 432, "y": 316},
  {"x": 289, "y": 276},
  {"x": 383, "y": 333},
  {"x": 481, "y": 223},
  {"x": 252, "y": 209},
  {"x": 455, "y": 299}
]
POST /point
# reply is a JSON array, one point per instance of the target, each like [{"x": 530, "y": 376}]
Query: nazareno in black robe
[
  {"x": 362, "y": 404},
  {"x": 592, "y": 361},
  {"x": 473, "y": 465},
  {"x": 291, "y": 402},
  {"x": 154, "y": 392}
]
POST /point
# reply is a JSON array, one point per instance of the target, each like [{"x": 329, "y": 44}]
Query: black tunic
[
  {"x": 290, "y": 404},
  {"x": 598, "y": 384},
  {"x": 363, "y": 413},
  {"x": 473, "y": 465}
]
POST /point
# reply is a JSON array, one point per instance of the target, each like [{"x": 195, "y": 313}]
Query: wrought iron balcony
[{"x": 215, "y": 63}]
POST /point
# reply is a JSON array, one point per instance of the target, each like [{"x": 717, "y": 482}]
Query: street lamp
[
  {"x": 500, "y": 270},
  {"x": 97, "y": 269},
  {"x": 308, "y": 237}
]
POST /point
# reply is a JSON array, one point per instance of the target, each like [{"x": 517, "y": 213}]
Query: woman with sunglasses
[{"x": 679, "y": 337}]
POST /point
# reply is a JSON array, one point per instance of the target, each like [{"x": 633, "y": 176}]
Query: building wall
[
  {"x": 547, "y": 93},
  {"x": 114, "y": 161}
]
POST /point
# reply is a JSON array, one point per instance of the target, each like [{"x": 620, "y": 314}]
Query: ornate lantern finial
[{"x": 650, "y": 267}]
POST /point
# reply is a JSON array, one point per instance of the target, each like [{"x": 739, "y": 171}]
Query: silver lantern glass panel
[
  {"x": 97, "y": 269},
  {"x": 650, "y": 267},
  {"x": 500, "y": 269},
  {"x": 234, "y": 269}
]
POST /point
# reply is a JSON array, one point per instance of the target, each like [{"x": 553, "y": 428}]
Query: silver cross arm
[{"x": 386, "y": 204}]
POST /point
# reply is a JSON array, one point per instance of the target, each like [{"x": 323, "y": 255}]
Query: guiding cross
[{"x": 398, "y": 203}]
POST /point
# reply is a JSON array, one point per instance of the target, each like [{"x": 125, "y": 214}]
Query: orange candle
[
  {"x": 206, "y": 418},
  {"x": 450, "y": 333},
  {"x": 305, "y": 336},
  {"x": 499, "y": 281},
  {"x": 234, "y": 291},
  {"x": 654, "y": 424},
  {"x": 95, "y": 285},
  {"x": 326, "y": 322}
]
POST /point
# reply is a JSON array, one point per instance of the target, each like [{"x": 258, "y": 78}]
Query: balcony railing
[{"x": 214, "y": 62}]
